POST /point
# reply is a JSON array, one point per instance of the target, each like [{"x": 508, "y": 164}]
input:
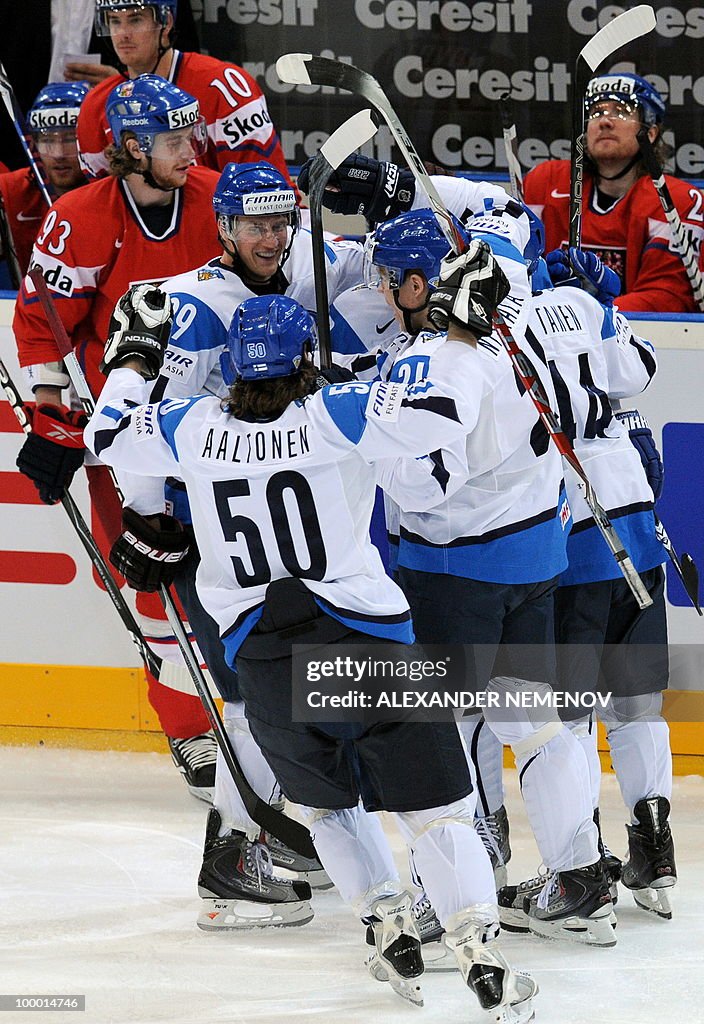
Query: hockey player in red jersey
[
  {"x": 52, "y": 121},
  {"x": 623, "y": 221},
  {"x": 151, "y": 219},
  {"x": 233, "y": 105}
]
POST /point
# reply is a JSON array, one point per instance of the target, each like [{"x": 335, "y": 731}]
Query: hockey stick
[
  {"x": 508, "y": 125},
  {"x": 305, "y": 69},
  {"x": 290, "y": 832},
  {"x": 24, "y": 135},
  {"x": 679, "y": 236},
  {"x": 685, "y": 567},
  {"x": 152, "y": 661},
  {"x": 355, "y": 131},
  {"x": 624, "y": 29}
]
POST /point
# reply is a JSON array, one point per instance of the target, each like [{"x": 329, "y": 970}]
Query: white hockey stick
[
  {"x": 622, "y": 30},
  {"x": 24, "y": 135},
  {"x": 355, "y": 131},
  {"x": 508, "y": 126},
  {"x": 306, "y": 69}
]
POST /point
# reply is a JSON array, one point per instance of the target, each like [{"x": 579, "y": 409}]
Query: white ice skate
[{"x": 397, "y": 954}]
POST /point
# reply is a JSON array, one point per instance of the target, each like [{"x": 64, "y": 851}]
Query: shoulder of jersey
[
  {"x": 99, "y": 194},
  {"x": 15, "y": 183},
  {"x": 97, "y": 96},
  {"x": 550, "y": 173},
  {"x": 200, "y": 66}
]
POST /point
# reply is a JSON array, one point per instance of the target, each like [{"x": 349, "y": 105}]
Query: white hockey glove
[
  {"x": 139, "y": 326},
  {"x": 472, "y": 284}
]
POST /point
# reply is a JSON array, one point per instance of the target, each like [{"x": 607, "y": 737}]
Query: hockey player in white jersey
[
  {"x": 276, "y": 476},
  {"x": 606, "y": 642},
  {"x": 481, "y": 568}
]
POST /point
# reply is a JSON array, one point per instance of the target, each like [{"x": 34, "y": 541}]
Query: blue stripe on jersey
[
  {"x": 590, "y": 560},
  {"x": 392, "y": 541},
  {"x": 113, "y": 413},
  {"x": 343, "y": 338},
  {"x": 529, "y": 555},
  {"x": 330, "y": 253},
  {"x": 500, "y": 246},
  {"x": 345, "y": 408},
  {"x": 171, "y": 412},
  {"x": 393, "y": 627},
  {"x": 607, "y": 325},
  {"x": 205, "y": 329},
  {"x": 232, "y": 641}
]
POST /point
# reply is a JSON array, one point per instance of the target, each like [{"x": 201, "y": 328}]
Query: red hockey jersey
[
  {"x": 24, "y": 208},
  {"x": 94, "y": 244},
  {"x": 233, "y": 105},
  {"x": 633, "y": 237}
]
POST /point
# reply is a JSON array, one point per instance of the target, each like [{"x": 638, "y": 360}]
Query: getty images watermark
[{"x": 349, "y": 682}]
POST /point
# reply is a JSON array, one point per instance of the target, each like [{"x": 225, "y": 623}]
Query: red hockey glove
[{"x": 54, "y": 450}]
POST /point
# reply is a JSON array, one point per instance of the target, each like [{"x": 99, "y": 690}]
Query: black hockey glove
[
  {"x": 139, "y": 326},
  {"x": 471, "y": 287},
  {"x": 150, "y": 551},
  {"x": 333, "y": 375},
  {"x": 643, "y": 441},
  {"x": 54, "y": 450},
  {"x": 378, "y": 190}
]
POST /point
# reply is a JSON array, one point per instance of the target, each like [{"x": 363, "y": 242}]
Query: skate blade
[
  {"x": 513, "y": 920},
  {"x": 521, "y": 1011},
  {"x": 654, "y": 901},
  {"x": 235, "y": 915},
  {"x": 408, "y": 989},
  {"x": 202, "y": 793},
  {"x": 437, "y": 956},
  {"x": 590, "y": 931}
]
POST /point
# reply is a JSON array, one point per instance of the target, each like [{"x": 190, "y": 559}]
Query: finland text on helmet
[
  {"x": 411, "y": 241},
  {"x": 104, "y": 8},
  {"x": 269, "y": 336},
  {"x": 629, "y": 89},
  {"x": 152, "y": 108},
  {"x": 56, "y": 107},
  {"x": 252, "y": 190}
]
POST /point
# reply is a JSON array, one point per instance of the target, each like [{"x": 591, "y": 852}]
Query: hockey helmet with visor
[
  {"x": 269, "y": 336},
  {"x": 161, "y": 116}
]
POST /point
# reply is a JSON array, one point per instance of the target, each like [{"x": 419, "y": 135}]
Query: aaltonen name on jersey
[{"x": 258, "y": 446}]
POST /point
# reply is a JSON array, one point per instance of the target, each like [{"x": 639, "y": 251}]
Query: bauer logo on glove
[
  {"x": 472, "y": 286},
  {"x": 139, "y": 328}
]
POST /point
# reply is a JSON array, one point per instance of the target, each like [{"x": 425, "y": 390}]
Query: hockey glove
[
  {"x": 150, "y": 550},
  {"x": 362, "y": 185},
  {"x": 642, "y": 439},
  {"x": 471, "y": 287},
  {"x": 584, "y": 269},
  {"x": 54, "y": 450},
  {"x": 139, "y": 326},
  {"x": 335, "y": 374}
]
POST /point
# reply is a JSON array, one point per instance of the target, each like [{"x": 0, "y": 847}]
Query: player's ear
[
  {"x": 132, "y": 147},
  {"x": 653, "y": 134}
]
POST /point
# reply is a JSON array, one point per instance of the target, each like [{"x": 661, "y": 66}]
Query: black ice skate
[
  {"x": 195, "y": 759},
  {"x": 437, "y": 955},
  {"x": 505, "y": 995},
  {"x": 397, "y": 946},
  {"x": 513, "y": 902},
  {"x": 493, "y": 832},
  {"x": 650, "y": 868},
  {"x": 239, "y": 888},
  {"x": 574, "y": 905},
  {"x": 289, "y": 864}
]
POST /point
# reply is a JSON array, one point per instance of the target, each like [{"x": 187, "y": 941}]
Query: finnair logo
[{"x": 268, "y": 202}]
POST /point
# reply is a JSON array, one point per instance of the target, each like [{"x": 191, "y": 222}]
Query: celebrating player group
[{"x": 257, "y": 385}]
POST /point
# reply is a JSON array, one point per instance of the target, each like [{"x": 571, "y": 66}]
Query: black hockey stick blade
[
  {"x": 690, "y": 579},
  {"x": 355, "y": 131},
  {"x": 624, "y": 29},
  {"x": 508, "y": 126}
]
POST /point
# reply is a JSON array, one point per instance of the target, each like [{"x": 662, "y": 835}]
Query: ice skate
[
  {"x": 239, "y": 888},
  {"x": 493, "y": 832},
  {"x": 397, "y": 955},
  {"x": 506, "y": 996},
  {"x": 437, "y": 954},
  {"x": 289, "y": 864},
  {"x": 574, "y": 905},
  {"x": 611, "y": 863},
  {"x": 513, "y": 902},
  {"x": 650, "y": 868},
  {"x": 195, "y": 759}
]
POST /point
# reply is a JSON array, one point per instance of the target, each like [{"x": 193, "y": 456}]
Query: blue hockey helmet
[
  {"x": 149, "y": 106},
  {"x": 536, "y": 243},
  {"x": 268, "y": 337},
  {"x": 161, "y": 9},
  {"x": 56, "y": 107},
  {"x": 630, "y": 90},
  {"x": 252, "y": 190},
  {"x": 540, "y": 277},
  {"x": 411, "y": 241}
]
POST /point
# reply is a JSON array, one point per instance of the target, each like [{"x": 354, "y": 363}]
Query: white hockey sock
[
  {"x": 353, "y": 849},
  {"x": 555, "y": 785},
  {"x": 585, "y": 731},
  {"x": 449, "y": 856},
  {"x": 487, "y": 757},
  {"x": 259, "y": 775},
  {"x": 642, "y": 760}
]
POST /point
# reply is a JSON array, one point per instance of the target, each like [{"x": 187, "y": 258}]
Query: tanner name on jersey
[{"x": 264, "y": 445}]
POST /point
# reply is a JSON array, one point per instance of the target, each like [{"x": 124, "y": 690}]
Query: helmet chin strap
[
  {"x": 160, "y": 48},
  {"x": 629, "y": 167},
  {"x": 408, "y": 312},
  {"x": 151, "y": 180}
]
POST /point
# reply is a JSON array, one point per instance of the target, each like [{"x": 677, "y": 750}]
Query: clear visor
[
  {"x": 376, "y": 276},
  {"x": 620, "y": 110},
  {"x": 276, "y": 226},
  {"x": 191, "y": 141},
  {"x": 145, "y": 14},
  {"x": 56, "y": 142}
]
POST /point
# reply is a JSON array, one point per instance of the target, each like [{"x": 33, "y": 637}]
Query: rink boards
[{"x": 69, "y": 672}]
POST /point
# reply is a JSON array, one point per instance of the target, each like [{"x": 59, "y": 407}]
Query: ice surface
[{"x": 99, "y": 854}]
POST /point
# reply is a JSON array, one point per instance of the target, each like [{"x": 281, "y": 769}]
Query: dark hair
[
  {"x": 120, "y": 160},
  {"x": 267, "y": 399}
]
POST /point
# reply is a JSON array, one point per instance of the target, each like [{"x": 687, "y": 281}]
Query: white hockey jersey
[
  {"x": 593, "y": 357},
  {"x": 290, "y": 497}
]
